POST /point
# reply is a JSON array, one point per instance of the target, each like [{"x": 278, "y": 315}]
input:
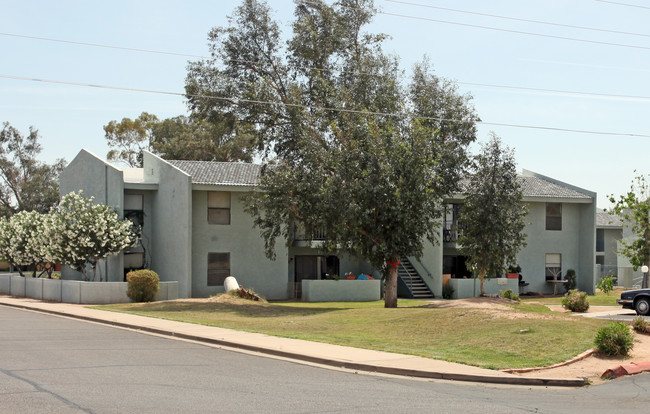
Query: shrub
[
  {"x": 614, "y": 339},
  {"x": 143, "y": 285},
  {"x": 509, "y": 294},
  {"x": 640, "y": 325},
  {"x": 575, "y": 301},
  {"x": 570, "y": 278},
  {"x": 606, "y": 284},
  {"x": 447, "y": 291}
]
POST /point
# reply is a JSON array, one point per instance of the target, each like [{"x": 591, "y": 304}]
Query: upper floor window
[
  {"x": 600, "y": 240},
  {"x": 218, "y": 207},
  {"x": 553, "y": 216}
]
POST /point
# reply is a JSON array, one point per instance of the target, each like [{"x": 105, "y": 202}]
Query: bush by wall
[
  {"x": 509, "y": 294},
  {"x": 614, "y": 339},
  {"x": 575, "y": 301},
  {"x": 142, "y": 285}
]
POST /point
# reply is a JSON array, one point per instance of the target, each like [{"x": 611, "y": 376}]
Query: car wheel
[{"x": 642, "y": 306}]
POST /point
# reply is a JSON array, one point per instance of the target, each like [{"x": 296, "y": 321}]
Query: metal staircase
[{"x": 412, "y": 281}]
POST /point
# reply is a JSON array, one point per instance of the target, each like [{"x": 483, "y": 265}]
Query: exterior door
[{"x": 306, "y": 268}]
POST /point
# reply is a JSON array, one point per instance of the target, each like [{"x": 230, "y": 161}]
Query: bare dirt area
[{"x": 590, "y": 367}]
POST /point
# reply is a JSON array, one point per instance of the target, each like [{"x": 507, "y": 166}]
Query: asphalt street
[{"x": 51, "y": 364}]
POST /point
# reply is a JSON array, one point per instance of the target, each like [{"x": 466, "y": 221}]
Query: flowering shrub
[
  {"x": 82, "y": 233},
  {"x": 575, "y": 301},
  {"x": 142, "y": 285},
  {"x": 23, "y": 240}
]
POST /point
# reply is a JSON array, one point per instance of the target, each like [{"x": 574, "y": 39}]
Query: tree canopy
[
  {"x": 634, "y": 209},
  {"x": 26, "y": 184},
  {"x": 354, "y": 152},
  {"x": 493, "y": 215},
  {"x": 178, "y": 138}
]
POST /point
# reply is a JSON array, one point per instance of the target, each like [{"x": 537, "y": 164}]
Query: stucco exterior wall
[
  {"x": 587, "y": 248},
  {"x": 429, "y": 265},
  {"x": 248, "y": 263},
  {"x": 105, "y": 183},
  {"x": 171, "y": 222},
  {"x": 575, "y": 242}
]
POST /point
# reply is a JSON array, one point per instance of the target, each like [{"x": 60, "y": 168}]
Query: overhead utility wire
[
  {"x": 595, "y": 29},
  {"x": 477, "y": 26},
  {"x": 624, "y": 4},
  {"x": 498, "y": 29},
  {"x": 160, "y": 52},
  {"x": 595, "y": 94},
  {"x": 236, "y": 101}
]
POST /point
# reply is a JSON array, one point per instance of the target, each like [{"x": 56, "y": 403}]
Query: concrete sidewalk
[{"x": 300, "y": 350}]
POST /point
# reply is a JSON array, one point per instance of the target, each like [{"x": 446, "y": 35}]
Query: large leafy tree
[
  {"x": 634, "y": 208},
  {"x": 354, "y": 152},
  {"x": 129, "y": 137},
  {"x": 26, "y": 184},
  {"x": 178, "y": 138},
  {"x": 493, "y": 215}
]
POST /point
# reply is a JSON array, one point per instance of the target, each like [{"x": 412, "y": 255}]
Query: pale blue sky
[{"x": 71, "y": 117}]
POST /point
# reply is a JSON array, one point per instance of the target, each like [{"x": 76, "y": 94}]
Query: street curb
[
  {"x": 561, "y": 364},
  {"x": 554, "y": 382}
]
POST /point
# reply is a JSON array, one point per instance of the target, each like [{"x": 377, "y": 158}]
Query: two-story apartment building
[{"x": 195, "y": 230}]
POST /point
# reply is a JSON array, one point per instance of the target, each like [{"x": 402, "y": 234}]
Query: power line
[
  {"x": 162, "y": 52},
  {"x": 498, "y": 29},
  {"x": 595, "y": 29},
  {"x": 624, "y": 4},
  {"x": 521, "y": 32},
  {"x": 236, "y": 101},
  {"x": 132, "y": 49}
]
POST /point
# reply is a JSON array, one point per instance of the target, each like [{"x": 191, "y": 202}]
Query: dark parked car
[{"x": 638, "y": 299}]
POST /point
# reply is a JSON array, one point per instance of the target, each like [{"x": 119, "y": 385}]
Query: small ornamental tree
[
  {"x": 83, "y": 233},
  {"x": 634, "y": 209},
  {"x": 23, "y": 241},
  {"x": 493, "y": 215}
]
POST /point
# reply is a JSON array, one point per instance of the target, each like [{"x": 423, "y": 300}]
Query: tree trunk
[
  {"x": 481, "y": 276},
  {"x": 390, "y": 298}
]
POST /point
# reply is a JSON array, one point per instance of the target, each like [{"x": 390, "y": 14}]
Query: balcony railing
[
  {"x": 300, "y": 233},
  {"x": 451, "y": 231}
]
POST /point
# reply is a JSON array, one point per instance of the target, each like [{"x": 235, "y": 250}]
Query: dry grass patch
[{"x": 488, "y": 333}]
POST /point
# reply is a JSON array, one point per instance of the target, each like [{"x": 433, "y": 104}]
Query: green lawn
[
  {"x": 599, "y": 299},
  {"x": 525, "y": 335}
]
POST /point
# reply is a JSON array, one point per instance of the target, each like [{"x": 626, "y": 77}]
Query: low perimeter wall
[
  {"x": 74, "y": 291},
  {"x": 340, "y": 290},
  {"x": 469, "y": 288}
]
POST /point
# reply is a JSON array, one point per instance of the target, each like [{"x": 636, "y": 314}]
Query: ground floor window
[
  {"x": 218, "y": 268},
  {"x": 553, "y": 266}
]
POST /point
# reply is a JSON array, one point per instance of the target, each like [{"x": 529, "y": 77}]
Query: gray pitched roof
[
  {"x": 220, "y": 173},
  {"x": 608, "y": 220},
  {"x": 246, "y": 174},
  {"x": 538, "y": 187}
]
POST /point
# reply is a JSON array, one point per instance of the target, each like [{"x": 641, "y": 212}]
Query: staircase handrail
[
  {"x": 410, "y": 285},
  {"x": 421, "y": 264}
]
